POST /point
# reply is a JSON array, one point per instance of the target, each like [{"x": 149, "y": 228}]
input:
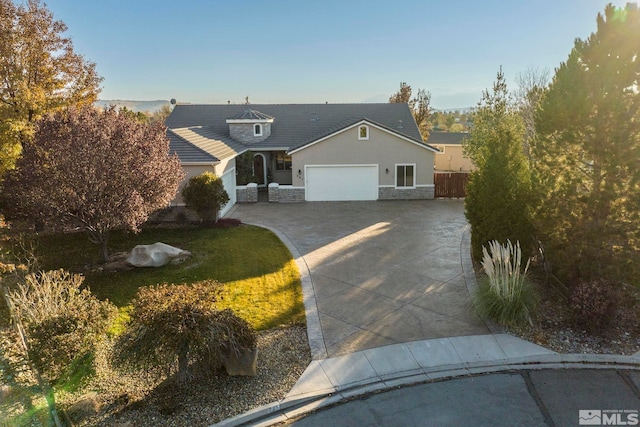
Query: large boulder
[{"x": 156, "y": 255}]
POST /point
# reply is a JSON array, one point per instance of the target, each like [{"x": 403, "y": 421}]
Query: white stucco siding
[{"x": 229, "y": 182}]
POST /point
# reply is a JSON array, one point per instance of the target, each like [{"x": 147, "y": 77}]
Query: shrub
[
  {"x": 178, "y": 324},
  {"x": 61, "y": 321},
  {"x": 506, "y": 295},
  {"x": 206, "y": 195},
  {"x": 593, "y": 305}
]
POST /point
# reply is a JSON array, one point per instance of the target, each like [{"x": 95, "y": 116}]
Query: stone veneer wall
[
  {"x": 247, "y": 193},
  {"x": 418, "y": 193},
  {"x": 243, "y": 132},
  {"x": 285, "y": 193}
]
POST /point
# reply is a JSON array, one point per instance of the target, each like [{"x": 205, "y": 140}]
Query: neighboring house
[
  {"x": 450, "y": 158},
  {"x": 307, "y": 152}
]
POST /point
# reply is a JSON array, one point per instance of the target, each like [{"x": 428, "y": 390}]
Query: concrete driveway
[{"x": 382, "y": 272}]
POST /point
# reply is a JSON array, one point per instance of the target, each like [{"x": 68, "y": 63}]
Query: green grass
[{"x": 262, "y": 280}]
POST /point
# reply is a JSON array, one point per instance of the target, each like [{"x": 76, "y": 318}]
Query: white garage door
[
  {"x": 347, "y": 182},
  {"x": 229, "y": 183}
]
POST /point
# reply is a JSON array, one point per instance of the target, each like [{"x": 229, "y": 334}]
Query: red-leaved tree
[{"x": 96, "y": 169}]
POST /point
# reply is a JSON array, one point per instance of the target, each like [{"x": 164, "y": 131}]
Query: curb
[{"x": 288, "y": 409}]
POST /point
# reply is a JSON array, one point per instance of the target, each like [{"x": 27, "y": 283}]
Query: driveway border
[{"x": 314, "y": 329}]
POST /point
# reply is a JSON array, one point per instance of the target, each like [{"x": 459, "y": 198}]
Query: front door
[{"x": 258, "y": 169}]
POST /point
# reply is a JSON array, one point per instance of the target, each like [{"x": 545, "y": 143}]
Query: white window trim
[
  {"x": 259, "y": 126},
  {"x": 396, "y": 177},
  {"x": 360, "y": 138}
]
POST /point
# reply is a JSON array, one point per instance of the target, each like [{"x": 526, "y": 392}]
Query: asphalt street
[{"x": 525, "y": 398}]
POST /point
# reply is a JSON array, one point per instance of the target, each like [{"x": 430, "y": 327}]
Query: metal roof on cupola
[{"x": 250, "y": 116}]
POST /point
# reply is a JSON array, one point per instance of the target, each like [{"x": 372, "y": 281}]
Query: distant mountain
[
  {"x": 135, "y": 106},
  {"x": 462, "y": 110},
  {"x": 377, "y": 99}
]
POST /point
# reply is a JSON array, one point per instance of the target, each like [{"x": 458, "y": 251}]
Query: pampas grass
[{"x": 506, "y": 295}]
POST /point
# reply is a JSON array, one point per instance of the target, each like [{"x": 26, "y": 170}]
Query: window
[
  {"x": 405, "y": 176},
  {"x": 283, "y": 161},
  {"x": 363, "y": 132},
  {"x": 257, "y": 130}
]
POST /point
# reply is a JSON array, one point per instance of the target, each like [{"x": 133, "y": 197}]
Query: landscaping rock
[
  {"x": 240, "y": 364},
  {"x": 86, "y": 406},
  {"x": 156, "y": 255},
  {"x": 5, "y": 391}
]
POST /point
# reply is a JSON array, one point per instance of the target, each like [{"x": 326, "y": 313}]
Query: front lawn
[{"x": 262, "y": 280}]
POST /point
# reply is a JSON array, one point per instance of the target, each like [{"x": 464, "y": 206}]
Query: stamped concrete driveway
[{"x": 382, "y": 272}]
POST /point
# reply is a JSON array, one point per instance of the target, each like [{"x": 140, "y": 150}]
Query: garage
[
  {"x": 341, "y": 182},
  {"x": 229, "y": 183}
]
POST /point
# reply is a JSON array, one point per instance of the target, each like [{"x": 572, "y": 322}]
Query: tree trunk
[
  {"x": 104, "y": 250},
  {"x": 183, "y": 366},
  {"x": 100, "y": 238}
]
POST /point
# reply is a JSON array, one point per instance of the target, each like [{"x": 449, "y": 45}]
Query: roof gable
[{"x": 356, "y": 124}]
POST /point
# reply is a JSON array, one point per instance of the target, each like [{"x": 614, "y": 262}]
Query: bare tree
[
  {"x": 531, "y": 86},
  {"x": 419, "y": 105}
]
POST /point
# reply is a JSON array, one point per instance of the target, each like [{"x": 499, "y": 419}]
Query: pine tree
[
  {"x": 587, "y": 154},
  {"x": 498, "y": 190}
]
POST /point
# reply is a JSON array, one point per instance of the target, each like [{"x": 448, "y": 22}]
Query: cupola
[{"x": 250, "y": 126}]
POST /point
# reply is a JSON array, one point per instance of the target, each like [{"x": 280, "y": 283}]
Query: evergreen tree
[
  {"x": 498, "y": 190},
  {"x": 587, "y": 154}
]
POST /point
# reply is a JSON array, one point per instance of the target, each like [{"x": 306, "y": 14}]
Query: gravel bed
[
  {"x": 113, "y": 398},
  {"x": 555, "y": 330},
  {"x": 134, "y": 400}
]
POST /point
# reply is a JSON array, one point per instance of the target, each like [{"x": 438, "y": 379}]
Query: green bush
[
  {"x": 206, "y": 195},
  {"x": 62, "y": 322},
  {"x": 506, "y": 295},
  {"x": 174, "y": 325}
]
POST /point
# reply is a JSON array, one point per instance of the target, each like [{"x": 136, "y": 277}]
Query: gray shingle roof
[
  {"x": 446, "y": 138},
  {"x": 250, "y": 115},
  {"x": 294, "y": 125},
  {"x": 186, "y": 151},
  {"x": 206, "y": 139}
]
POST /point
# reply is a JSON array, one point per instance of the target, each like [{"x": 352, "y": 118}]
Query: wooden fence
[{"x": 450, "y": 184}]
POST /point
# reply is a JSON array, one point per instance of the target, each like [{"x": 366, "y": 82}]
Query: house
[
  {"x": 306, "y": 152},
  {"x": 451, "y": 157}
]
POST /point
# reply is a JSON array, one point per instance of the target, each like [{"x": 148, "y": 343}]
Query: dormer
[{"x": 250, "y": 126}]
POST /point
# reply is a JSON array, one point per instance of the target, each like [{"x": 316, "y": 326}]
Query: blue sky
[{"x": 300, "y": 51}]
